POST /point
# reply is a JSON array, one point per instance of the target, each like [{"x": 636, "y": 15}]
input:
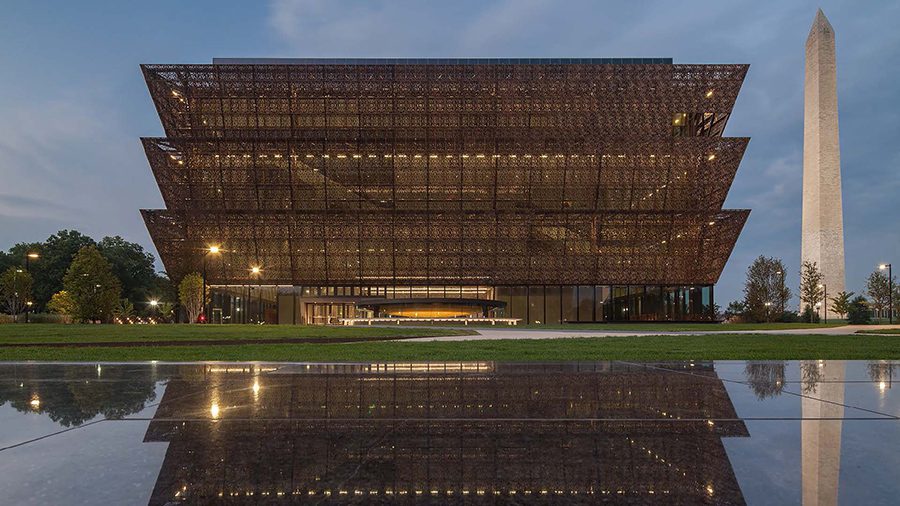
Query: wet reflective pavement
[{"x": 727, "y": 432}]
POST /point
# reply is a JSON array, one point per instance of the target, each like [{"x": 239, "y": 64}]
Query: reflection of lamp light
[
  {"x": 882, "y": 385},
  {"x": 35, "y": 402},
  {"x": 214, "y": 410},
  {"x": 255, "y": 386}
]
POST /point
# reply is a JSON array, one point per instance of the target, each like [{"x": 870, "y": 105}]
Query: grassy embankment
[{"x": 679, "y": 347}]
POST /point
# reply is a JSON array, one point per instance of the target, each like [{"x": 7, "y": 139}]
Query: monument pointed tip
[{"x": 820, "y": 23}]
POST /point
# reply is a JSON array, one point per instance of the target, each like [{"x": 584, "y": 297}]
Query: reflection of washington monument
[{"x": 823, "y": 409}]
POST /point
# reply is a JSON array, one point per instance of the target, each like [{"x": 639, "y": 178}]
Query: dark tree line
[{"x": 130, "y": 263}]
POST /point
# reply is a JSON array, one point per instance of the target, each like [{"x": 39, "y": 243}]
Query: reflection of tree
[
  {"x": 882, "y": 371},
  {"x": 765, "y": 379},
  {"x": 811, "y": 375},
  {"x": 72, "y": 395}
]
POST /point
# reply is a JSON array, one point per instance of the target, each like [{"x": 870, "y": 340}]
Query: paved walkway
[{"x": 523, "y": 333}]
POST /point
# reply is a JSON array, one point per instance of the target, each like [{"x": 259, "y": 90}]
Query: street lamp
[
  {"x": 824, "y": 288},
  {"x": 16, "y": 288},
  {"x": 767, "y": 304},
  {"x": 28, "y": 258},
  {"x": 211, "y": 250},
  {"x": 256, "y": 271},
  {"x": 890, "y": 292},
  {"x": 781, "y": 291}
]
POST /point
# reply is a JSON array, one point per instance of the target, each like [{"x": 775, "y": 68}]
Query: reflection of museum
[
  {"x": 555, "y": 190},
  {"x": 480, "y": 433}
]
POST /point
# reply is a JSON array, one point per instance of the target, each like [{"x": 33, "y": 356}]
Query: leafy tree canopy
[
  {"x": 190, "y": 294},
  {"x": 15, "y": 289},
  {"x": 765, "y": 294},
  {"x": 61, "y": 303},
  {"x": 92, "y": 285},
  {"x": 56, "y": 253},
  {"x": 859, "y": 312},
  {"x": 132, "y": 265},
  {"x": 840, "y": 303}
]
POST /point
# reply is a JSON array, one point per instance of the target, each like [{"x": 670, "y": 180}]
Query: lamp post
[
  {"x": 256, "y": 271},
  {"x": 16, "y": 288},
  {"x": 28, "y": 257},
  {"x": 824, "y": 288},
  {"x": 781, "y": 293},
  {"x": 890, "y": 292},
  {"x": 212, "y": 250},
  {"x": 767, "y": 304}
]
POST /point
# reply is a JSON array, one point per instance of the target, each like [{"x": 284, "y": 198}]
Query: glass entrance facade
[{"x": 531, "y": 304}]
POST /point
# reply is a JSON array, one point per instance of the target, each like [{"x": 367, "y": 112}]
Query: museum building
[{"x": 550, "y": 190}]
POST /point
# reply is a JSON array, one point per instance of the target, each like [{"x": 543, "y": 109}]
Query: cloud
[{"x": 503, "y": 23}]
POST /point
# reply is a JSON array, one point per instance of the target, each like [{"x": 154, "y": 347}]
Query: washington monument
[{"x": 823, "y": 221}]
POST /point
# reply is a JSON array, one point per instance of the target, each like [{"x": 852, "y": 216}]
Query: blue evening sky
[{"x": 73, "y": 103}]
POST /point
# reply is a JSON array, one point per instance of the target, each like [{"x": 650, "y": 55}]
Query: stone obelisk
[{"x": 823, "y": 221}]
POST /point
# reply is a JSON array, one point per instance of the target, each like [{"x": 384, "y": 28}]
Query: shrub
[{"x": 859, "y": 313}]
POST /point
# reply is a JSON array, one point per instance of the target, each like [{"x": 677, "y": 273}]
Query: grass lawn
[
  {"x": 53, "y": 333},
  {"x": 671, "y": 327},
  {"x": 704, "y": 347}
]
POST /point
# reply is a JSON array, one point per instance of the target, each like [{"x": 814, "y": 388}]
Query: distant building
[{"x": 552, "y": 190}]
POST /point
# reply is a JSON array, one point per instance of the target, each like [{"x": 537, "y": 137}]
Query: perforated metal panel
[{"x": 438, "y": 173}]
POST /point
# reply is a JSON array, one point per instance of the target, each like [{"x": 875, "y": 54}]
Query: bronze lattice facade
[{"x": 569, "y": 189}]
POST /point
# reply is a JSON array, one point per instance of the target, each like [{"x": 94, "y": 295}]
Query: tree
[
  {"x": 6, "y": 261},
  {"x": 878, "y": 290},
  {"x": 92, "y": 285},
  {"x": 124, "y": 310},
  {"x": 859, "y": 312},
  {"x": 735, "y": 309},
  {"x": 165, "y": 311},
  {"x": 765, "y": 294},
  {"x": 810, "y": 375},
  {"x": 840, "y": 303},
  {"x": 766, "y": 379},
  {"x": 15, "y": 289},
  {"x": 56, "y": 253},
  {"x": 61, "y": 303},
  {"x": 190, "y": 294},
  {"x": 811, "y": 291},
  {"x": 162, "y": 290},
  {"x": 132, "y": 266}
]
